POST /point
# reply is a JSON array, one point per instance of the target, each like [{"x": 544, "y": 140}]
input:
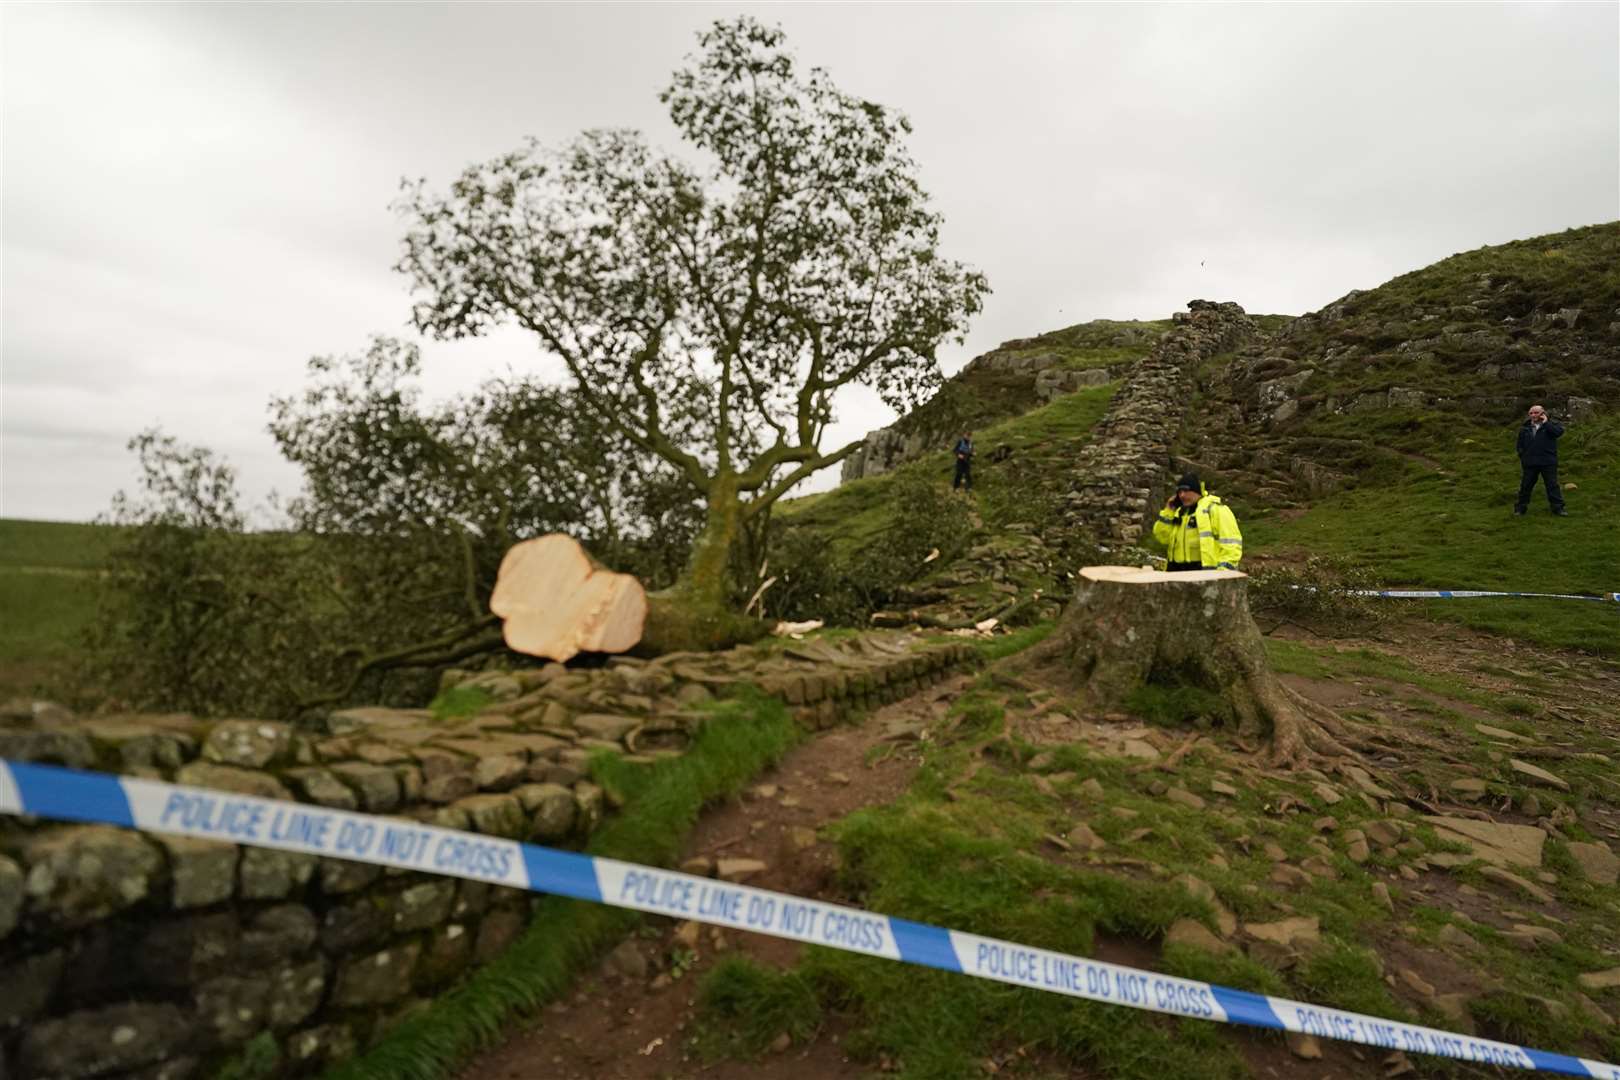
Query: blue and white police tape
[
  {"x": 1463, "y": 594},
  {"x": 151, "y": 806}
]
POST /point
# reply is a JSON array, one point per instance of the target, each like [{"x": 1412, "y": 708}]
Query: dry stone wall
[
  {"x": 1120, "y": 472},
  {"x": 1123, "y": 472},
  {"x": 139, "y": 956}
]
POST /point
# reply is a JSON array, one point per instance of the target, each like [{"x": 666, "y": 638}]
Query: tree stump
[
  {"x": 558, "y": 603},
  {"x": 1127, "y": 627}
]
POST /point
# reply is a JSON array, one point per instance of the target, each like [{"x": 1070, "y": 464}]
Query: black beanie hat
[{"x": 1189, "y": 482}]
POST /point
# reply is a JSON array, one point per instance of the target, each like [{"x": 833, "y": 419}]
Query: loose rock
[
  {"x": 1299, "y": 932},
  {"x": 1416, "y": 983},
  {"x": 738, "y": 869},
  {"x": 1327, "y": 793},
  {"x": 1181, "y": 796},
  {"x": 1456, "y": 937},
  {"x": 1194, "y": 934},
  {"x": 627, "y": 961},
  {"x": 1528, "y": 936},
  {"x": 1502, "y": 845},
  {"x": 1598, "y": 864},
  {"x": 1599, "y": 980},
  {"x": 1084, "y": 838},
  {"x": 1291, "y": 876},
  {"x": 1537, "y": 775},
  {"x": 1304, "y": 1046},
  {"x": 1530, "y": 889},
  {"x": 603, "y": 726}
]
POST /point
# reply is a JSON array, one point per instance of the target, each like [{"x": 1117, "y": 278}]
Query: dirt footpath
[
  {"x": 630, "y": 1019},
  {"x": 633, "y": 1018}
]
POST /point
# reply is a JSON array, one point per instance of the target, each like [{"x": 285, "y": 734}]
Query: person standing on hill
[
  {"x": 1538, "y": 456},
  {"x": 1199, "y": 531},
  {"x": 964, "y": 462}
]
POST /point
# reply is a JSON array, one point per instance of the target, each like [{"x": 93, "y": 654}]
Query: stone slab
[{"x": 1496, "y": 843}]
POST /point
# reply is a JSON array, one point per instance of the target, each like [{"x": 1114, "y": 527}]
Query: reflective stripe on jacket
[{"x": 1207, "y": 535}]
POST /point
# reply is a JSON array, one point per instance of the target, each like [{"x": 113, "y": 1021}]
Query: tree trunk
[
  {"x": 707, "y": 581},
  {"x": 1127, "y": 627},
  {"x": 558, "y": 603},
  {"x": 695, "y": 614}
]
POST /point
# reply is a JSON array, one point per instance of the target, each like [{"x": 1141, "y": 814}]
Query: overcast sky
[{"x": 196, "y": 198}]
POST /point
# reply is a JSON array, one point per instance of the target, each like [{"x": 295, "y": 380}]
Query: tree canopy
[{"x": 709, "y": 311}]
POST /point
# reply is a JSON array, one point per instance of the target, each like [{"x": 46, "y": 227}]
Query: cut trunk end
[{"x": 557, "y": 602}]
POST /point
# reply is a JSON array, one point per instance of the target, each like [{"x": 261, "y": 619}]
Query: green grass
[
  {"x": 48, "y": 593},
  {"x": 993, "y": 649},
  {"x": 57, "y": 544},
  {"x": 748, "y": 1006},
  {"x": 853, "y": 513},
  {"x": 1456, "y": 530},
  {"x": 46, "y": 616},
  {"x": 1576, "y": 268},
  {"x": 661, "y": 803}
]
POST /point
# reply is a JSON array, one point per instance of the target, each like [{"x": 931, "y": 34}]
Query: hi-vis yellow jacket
[{"x": 1208, "y": 535}]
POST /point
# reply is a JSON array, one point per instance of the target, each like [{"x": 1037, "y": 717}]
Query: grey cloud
[{"x": 196, "y": 197}]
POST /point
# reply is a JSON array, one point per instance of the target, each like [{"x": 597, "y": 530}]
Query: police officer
[{"x": 1198, "y": 531}]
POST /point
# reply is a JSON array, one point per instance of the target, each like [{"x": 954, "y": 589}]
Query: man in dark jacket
[
  {"x": 964, "y": 462},
  {"x": 1538, "y": 455}
]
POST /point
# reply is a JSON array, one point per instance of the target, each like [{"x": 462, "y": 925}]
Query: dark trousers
[
  {"x": 964, "y": 474},
  {"x": 1174, "y": 566},
  {"x": 1549, "y": 480}
]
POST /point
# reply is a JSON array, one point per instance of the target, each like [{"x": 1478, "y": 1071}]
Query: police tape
[
  {"x": 1460, "y": 594},
  {"x": 48, "y": 791}
]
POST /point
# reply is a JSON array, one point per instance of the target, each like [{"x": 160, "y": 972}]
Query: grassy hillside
[
  {"x": 1389, "y": 419},
  {"x": 48, "y": 588},
  {"x": 1036, "y": 443},
  {"x": 1001, "y": 384},
  {"x": 1416, "y": 485},
  {"x": 1448, "y": 524}
]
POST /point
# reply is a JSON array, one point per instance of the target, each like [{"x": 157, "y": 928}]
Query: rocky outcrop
[
  {"x": 1123, "y": 473},
  {"x": 130, "y": 954}
]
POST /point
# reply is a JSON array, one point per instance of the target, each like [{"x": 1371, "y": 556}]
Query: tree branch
[{"x": 814, "y": 465}]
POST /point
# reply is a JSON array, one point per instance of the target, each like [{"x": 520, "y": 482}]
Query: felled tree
[
  {"x": 380, "y": 571},
  {"x": 1127, "y": 627},
  {"x": 709, "y": 313}
]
